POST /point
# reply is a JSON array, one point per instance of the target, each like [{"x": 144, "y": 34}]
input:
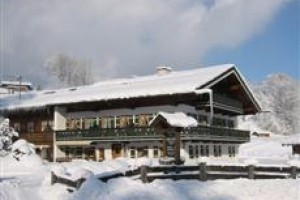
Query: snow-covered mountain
[{"x": 279, "y": 96}]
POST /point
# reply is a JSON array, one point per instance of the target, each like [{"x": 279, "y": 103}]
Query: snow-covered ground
[
  {"x": 35, "y": 185},
  {"x": 27, "y": 177},
  {"x": 32, "y": 182}
]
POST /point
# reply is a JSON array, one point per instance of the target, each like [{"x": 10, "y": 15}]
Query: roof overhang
[{"x": 245, "y": 86}]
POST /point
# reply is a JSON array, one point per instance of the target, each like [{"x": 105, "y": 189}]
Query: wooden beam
[
  {"x": 248, "y": 109},
  {"x": 235, "y": 87}
]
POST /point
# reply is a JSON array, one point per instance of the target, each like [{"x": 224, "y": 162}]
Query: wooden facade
[{"x": 35, "y": 127}]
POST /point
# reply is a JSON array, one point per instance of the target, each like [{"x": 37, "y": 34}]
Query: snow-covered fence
[
  {"x": 205, "y": 172},
  {"x": 201, "y": 172},
  {"x": 71, "y": 183}
]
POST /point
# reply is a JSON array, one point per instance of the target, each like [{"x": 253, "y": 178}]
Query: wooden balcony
[
  {"x": 223, "y": 102},
  {"x": 148, "y": 133},
  {"x": 42, "y": 138},
  {"x": 109, "y": 134},
  {"x": 216, "y": 134}
]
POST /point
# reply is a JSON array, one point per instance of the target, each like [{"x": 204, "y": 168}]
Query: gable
[{"x": 232, "y": 84}]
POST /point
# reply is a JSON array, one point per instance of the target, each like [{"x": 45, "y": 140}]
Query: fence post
[
  {"x": 144, "y": 177},
  {"x": 53, "y": 178},
  {"x": 202, "y": 171},
  {"x": 293, "y": 172},
  {"x": 79, "y": 182},
  {"x": 251, "y": 171}
]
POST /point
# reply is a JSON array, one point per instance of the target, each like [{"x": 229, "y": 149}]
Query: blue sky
[
  {"x": 275, "y": 49},
  {"x": 125, "y": 38}
]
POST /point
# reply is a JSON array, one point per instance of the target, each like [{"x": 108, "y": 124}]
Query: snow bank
[
  {"x": 269, "y": 151},
  {"x": 127, "y": 189},
  {"x": 23, "y": 147},
  {"x": 264, "y": 149}
]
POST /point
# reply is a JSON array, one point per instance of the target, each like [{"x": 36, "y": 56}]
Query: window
[
  {"x": 47, "y": 126},
  {"x": 117, "y": 122},
  {"x": 155, "y": 152},
  {"x": 73, "y": 124},
  {"x": 132, "y": 152},
  {"x": 191, "y": 151},
  {"x": 196, "y": 151},
  {"x": 204, "y": 150},
  {"x": 108, "y": 122},
  {"x": 220, "y": 150},
  {"x": 17, "y": 127},
  {"x": 230, "y": 124},
  {"x": 79, "y": 152},
  {"x": 90, "y": 123},
  {"x": 202, "y": 119},
  {"x": 30, "y": 127},
  {"x": 218, "y": 122},
  {"x": 231, "y": 151},
  {"x": 126, "y": 121},
  {"x": 68, "y": 124},
  {"x": 142, "y": 121},
  {"x": 142, "y": 152},
  {"x": 136, "y": 120},
  {"x": 130, "y": 121},
  {"x": 207, "y": 150},
  {"x": 217, "y": 150}
]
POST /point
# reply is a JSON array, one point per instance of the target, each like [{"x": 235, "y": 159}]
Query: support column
[
  {"x": 177, "y": 147},
  {"x": 97, "y": 154},
  {"x": 59, "y": 124}
]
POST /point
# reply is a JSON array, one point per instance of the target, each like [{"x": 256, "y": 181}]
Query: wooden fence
[{"x": 201, "y": 172}]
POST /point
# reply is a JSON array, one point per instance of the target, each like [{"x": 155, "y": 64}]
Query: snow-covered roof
[
  {"x": 178, "y": 119},
  {"x": 175, "y": 82},
  {"x": 292, "y": 139},
  {"x": 15, "y": 83}
]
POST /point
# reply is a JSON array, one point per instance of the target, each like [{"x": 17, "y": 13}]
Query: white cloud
[{"x": 133, "y": 36}]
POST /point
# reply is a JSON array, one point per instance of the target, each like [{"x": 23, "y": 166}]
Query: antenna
[{"x": 19, "y": 78}]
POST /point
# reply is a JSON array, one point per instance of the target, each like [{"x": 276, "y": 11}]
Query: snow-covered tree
[
  {"x": 22, "y": 147},
  {"x": 7, "y": 135},
  {"x": 279, "y": 95},
  {"x": 69, "y": 71}
]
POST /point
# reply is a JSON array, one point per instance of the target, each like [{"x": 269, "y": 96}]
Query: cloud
[{"x": 126, "y": 37}]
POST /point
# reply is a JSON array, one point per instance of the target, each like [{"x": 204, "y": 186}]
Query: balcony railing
[
  {"x": 216, "y": 133},
  {"x": 108, "y": 134},
  {"x": 149, "y": 133},
  {"x": 224, "y": 102}
]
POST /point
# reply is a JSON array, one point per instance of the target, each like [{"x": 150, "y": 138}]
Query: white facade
[{"x": 132, "y": 149}]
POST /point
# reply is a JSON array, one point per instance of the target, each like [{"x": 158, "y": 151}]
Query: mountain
[{"x": 279, "y": 96}]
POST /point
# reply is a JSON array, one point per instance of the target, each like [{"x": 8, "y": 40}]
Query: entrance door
[{"x": 116, "y": 150}]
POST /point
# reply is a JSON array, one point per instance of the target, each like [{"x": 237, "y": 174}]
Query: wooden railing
[
  {"x": 202, "y": 172},
  {"x": 109, "y": 134},
  {"x": 144, "y": 133},
  {"x": 224, "y": 102},
  {"x": 216, "y": 133}
]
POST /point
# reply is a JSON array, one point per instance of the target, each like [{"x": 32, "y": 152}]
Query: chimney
[{"x": 162, "y": 70}]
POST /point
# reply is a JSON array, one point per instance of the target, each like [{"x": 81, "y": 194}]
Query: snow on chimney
[{"x": 163, "y": 70}]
